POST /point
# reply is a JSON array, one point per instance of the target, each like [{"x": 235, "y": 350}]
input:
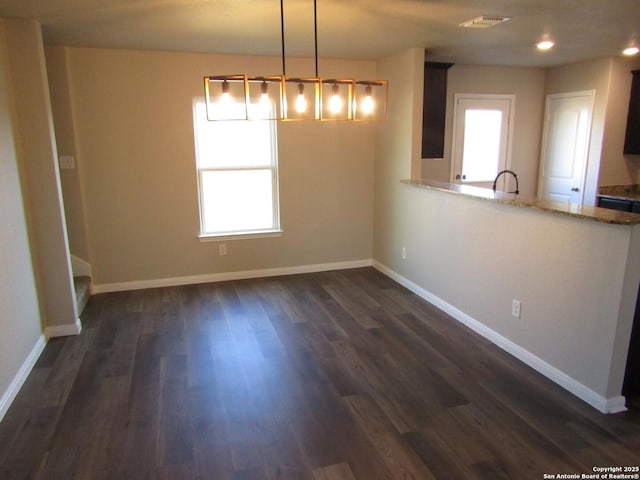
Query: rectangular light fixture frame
[
  {"x": 235, "y": 88},
  {"x": 378, "y": 93},
  {"x": 312, "y": 94},
  {"x": 273, "y": 87},
  {"x": 238, "y": 97},
  {"x": 344, "y": 89}
]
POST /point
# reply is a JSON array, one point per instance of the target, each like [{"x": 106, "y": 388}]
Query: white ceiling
[{"x": 354, "y": 29}]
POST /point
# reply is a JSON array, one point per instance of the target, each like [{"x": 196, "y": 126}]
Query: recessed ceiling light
[
  {"x": 630, "y": 51},
  {"x": 545, "y": 45}
]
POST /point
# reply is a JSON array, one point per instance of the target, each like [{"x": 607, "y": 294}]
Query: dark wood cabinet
[
  {"x": 616, "y": 204},
  {"x": 434, "y": 106},
  {"x": 632, "y": 137}
]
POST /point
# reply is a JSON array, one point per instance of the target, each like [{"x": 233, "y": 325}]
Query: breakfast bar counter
[
  {"x": 596, "y": 214},
  {"x": 572, "y": 271}
]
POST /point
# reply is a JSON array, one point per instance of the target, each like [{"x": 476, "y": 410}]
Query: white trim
[
  {"x": 615, "y": 405},
  {"x": 215, "y": 237},
  {"x": 63, "y": 330},
  {"x": 81, "y": 268},
  {"x": 198, "y": 129},
  {"x": 605, "y": 405},
  {"x": 222, "y": 277},
  {"x": 16, "y": 384}
]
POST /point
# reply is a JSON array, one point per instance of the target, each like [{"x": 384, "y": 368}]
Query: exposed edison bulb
[
  {"x": 264, "y": 96},
  {"x": 225, "y": 98},
  {"x": 301, "y": 103},
  {"x": 367, "y": 102},
  {"x": 335, "y": 102}
]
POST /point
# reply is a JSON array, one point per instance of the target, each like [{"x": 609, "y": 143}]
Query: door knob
[
  {"x": 575, "y": 189},
  {"x": 463, "y": 177}
]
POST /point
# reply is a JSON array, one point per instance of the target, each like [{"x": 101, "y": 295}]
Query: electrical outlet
[
  {"x": 404, "y": 252},
  {"x": 222, "y": 249},
  {"x": 515, "y": 308}
]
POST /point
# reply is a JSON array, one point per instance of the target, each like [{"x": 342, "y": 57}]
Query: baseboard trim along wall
[
  {"x": 604, "y": 405},
  {"x": 226, "y": 276},
  {"x": 63, "y": 330},
  {"x": 16, "y": 384}
]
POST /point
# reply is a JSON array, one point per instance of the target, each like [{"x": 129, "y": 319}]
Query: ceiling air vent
[{"x": 484, "y": 21}]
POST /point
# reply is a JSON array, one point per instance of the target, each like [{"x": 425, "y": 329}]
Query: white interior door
[
  {"x": 565, "y": 146},
  {"x": 481, "y": 138}
]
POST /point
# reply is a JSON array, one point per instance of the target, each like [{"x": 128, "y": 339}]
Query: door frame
[
  {"x": 545, "y": 132},
  {"x": 510, "y": 127}
]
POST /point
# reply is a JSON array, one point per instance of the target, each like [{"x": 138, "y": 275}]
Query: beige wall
[
  {"x": 135, "y": 153},
  {"x": 476, "y": 256},
  {"x": 397, "y": 144},
  {"x": 615, "y": 167},
  {"x": 65, "y": 140},
  {"x": 20, "y": 326},
  {"x": 39, "y": 165},
  {"x": 527, "y": 84}
]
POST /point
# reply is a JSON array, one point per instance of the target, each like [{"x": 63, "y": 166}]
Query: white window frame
[{"x": 275, "y": 229}]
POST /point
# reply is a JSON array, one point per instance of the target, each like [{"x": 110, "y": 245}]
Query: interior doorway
[{"x": 565, "y": 146}]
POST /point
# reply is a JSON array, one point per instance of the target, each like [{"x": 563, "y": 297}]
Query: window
[
  {"x": 237, "y": 166},
  {"x": 481, "y": 150}
]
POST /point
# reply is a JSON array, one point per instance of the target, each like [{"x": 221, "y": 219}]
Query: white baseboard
[
  {"x": 63, "y": 330},
  {"x": 614, "y": 405},
  {"x": 226, "y": 276},
  {"x": 16, "y": 384},
  {"x": 80, "y": 268},
  {"x": 603, "y": 404}
]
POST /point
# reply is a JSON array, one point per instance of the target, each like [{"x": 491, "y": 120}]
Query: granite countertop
[
  {"x": 620, "y": 192},
  {"x": 596, "y": 214}
]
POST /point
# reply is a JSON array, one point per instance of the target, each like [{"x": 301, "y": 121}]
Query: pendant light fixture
[{"x": 278, "y": 97}]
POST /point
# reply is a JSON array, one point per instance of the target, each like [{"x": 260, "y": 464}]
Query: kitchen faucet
[{"x": 495, "y": 182}]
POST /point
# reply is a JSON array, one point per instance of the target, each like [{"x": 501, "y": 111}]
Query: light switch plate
[{"x": 67, "y": 162}]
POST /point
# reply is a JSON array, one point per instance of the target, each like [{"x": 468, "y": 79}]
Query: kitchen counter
[
  {"x": 625, "y": 198},
  {"x": 596, "y": 214},
  {"x": 620, "y": 192}
]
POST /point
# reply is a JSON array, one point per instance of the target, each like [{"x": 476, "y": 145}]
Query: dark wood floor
[{"x": 328, "y": 376}]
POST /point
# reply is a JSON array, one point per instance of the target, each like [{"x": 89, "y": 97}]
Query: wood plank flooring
[{"x": 330, "y": 376}]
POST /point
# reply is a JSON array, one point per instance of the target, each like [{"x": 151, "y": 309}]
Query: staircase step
[{"x": 82, "y": 286}]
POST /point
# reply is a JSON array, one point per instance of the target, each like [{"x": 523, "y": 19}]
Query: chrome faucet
[{"x": 495, "y": 182}]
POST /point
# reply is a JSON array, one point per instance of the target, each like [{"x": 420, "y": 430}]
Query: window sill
[{"x": 239, "y": 236}]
